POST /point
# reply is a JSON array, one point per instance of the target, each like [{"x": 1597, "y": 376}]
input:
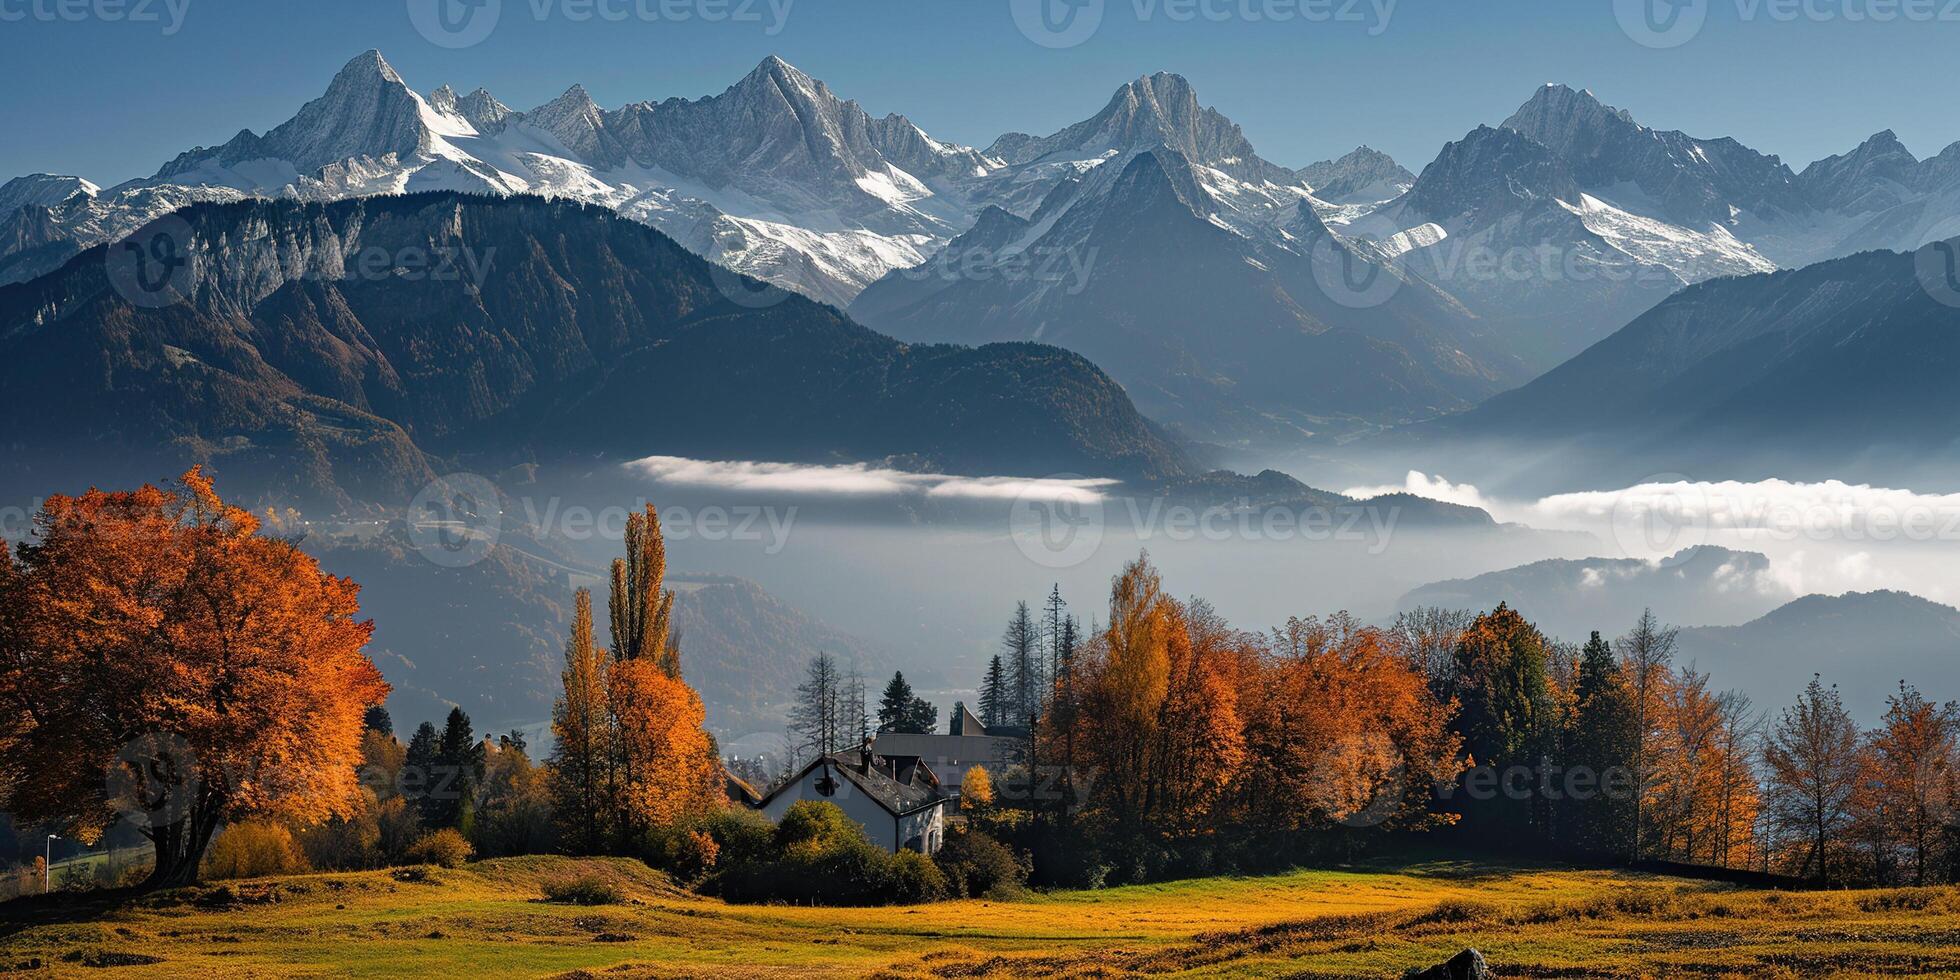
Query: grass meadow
[{"x": 490, "y": 919}]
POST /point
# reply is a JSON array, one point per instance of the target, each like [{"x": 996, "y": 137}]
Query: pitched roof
[
  {"x": 738, "y": 789},
  {"x": 875, "y": 778}
]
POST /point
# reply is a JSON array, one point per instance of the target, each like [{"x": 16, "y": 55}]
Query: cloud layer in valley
[
  {"x": 859, "y": 480},
  {"x": 1828, "y": 536}
]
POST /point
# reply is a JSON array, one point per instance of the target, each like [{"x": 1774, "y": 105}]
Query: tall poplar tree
[{"x": 581, "y": 728}]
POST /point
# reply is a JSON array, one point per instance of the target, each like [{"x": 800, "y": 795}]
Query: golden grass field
[{"x": 489, "y": 919}]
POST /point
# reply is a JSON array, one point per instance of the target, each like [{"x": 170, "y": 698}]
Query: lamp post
[{"x": 47, "y": 862}]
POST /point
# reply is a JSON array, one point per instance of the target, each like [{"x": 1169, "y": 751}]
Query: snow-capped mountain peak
[
  {"x": 1159, "y": 109},
  {"x": 367, "y": 111},
  {"x": 577, "y": 122},
  {"x": 1568, "y": 120},
  {"x": 1365, "y": 175},
  {"x": 42, "y": 190}
]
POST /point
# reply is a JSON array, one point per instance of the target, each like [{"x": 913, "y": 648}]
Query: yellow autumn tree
[
  {"x": 581, "y": 780},
  {"x": 976, "y": 789}
]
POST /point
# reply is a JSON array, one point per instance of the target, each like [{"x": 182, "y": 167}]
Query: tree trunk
[{"x": 180, "y": 847}]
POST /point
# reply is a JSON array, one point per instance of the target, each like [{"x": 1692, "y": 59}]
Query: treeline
[{"x": 1170, "y": 743}]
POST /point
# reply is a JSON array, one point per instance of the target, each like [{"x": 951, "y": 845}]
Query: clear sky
[{"x": 107, "y": 89}]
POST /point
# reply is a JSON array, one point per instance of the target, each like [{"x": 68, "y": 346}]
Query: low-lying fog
[{"x": 929, "y": 567}]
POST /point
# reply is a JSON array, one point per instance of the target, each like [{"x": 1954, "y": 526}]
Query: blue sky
[{"x": 89, "y": 90}]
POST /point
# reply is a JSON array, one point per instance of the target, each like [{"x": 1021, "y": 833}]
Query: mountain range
[
  {"x": 321, "y": 352},
  {"x": 1236, "y": 298}
]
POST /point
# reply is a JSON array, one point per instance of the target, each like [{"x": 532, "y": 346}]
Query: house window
[{"x": 826, "y": 786}]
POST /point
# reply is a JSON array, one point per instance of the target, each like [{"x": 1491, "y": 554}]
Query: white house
[
  {"x": 897, "y": 800},
  {"x": 966, "y": 744}
]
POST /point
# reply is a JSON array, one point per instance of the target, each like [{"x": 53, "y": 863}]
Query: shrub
[
  {"x": 741, "y": 836},
  {"x": 253, "y": 849},
  {"x": 687, "y": 853},
  {"x": 975, "y": 864},
  {"x": 445, "y": 847},
  {"x": 815, "y": 826},
  {"x": 818, "y": 855},
  {"x": 1452, "y": 911},
  {"x": 915, "y": 879},
  {"x": 582, "y": 890}
]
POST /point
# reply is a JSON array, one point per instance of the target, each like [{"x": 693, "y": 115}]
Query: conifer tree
[
  {"x": 817, "y": 716},
  {"x": 1054, "y": 618},
  {"x": 895, "y": 705},
  {"x": 459, "y": 768},
  {"x": 899, "y": 710},
  {"x": 1601, "y": 742},
  {"x": 994, "y": 694},
  {"x": 1021, "y": 646},
  {"x": 419, "y": 763}
]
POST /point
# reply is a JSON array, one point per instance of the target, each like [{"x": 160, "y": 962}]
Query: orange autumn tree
[
  {"x": 667, "y": 763},
  {"x": 162, "y": 661},
  {"x": 1192, "y": 733}
]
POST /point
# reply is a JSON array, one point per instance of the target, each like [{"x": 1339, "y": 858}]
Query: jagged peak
[
  {"x": 1360, "y": 155},
  {"x": 574, "y": 98},
  {"x": 443, "y": 98},
  {"x": 1885, "y": 141},
  {"x": 1565, "y": 104},
  {"x": 775, "y": 65},
  {"x": 369, "y": 64},
  {"x": 1154, "y": 89},
  {"x": 773, "y": 71}
]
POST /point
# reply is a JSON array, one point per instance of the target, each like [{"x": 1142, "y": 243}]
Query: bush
[
  {"x": 815, "y": 825},
  {"x": 741, "y": 836},
  {"x": 582, "y": 890},
  {"x": 915, "y": 879},
  {"x": 818, "y": 855},
  {"x": 445, "y": 847},
  {"x": 686, "y": 853},
  {"x": 975, "y": 864},
  {"x": 253, "y": 849}
]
